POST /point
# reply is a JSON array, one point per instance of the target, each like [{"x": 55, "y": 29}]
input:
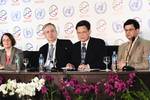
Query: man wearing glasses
[{"x": 134, "y": 52}]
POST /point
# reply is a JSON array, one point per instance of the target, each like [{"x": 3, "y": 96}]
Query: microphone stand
[{"x": 55, "y": 68}]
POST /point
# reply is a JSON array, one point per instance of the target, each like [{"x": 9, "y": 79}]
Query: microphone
[
  {"x": 55, "y": 68},
  {"x": 126, "y": 67}
]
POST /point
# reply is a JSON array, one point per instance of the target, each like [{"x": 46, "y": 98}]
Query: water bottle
[
  {"x": 41, "y": 63},
  {"x": 17, "y": 61},
  {"x": 114, "y": 61}
]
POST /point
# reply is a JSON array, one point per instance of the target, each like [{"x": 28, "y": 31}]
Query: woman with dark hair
[{"x": 9, "y": 54}]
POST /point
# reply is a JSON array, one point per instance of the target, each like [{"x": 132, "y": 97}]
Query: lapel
[
  {"x": 3, "y": 57},
  {"x": 13, "y": 51},
  {"x": 45, "y": 51},
  {"x": 88, "y": 52},
  {"x": 78, "y": 51},
  {"x": 57, "y": 49},
  {"x": 125, "y": 51},
  {"x": 131, "y": 57}
]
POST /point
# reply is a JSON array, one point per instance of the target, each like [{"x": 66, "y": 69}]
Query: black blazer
[
  {"x": 96, "y": 50},
  {"x": 62, "y": 54}
]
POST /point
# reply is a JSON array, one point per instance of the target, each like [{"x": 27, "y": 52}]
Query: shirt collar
[
  {"x": 136, "y": 38},
  {"x": 86, "y": 42},
  {"x": 54, "y": 43}
]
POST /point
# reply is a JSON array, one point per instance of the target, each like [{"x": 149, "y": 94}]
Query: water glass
[
  {"x": 25, "y": 61},
  {"x": 106, "y": 60}
]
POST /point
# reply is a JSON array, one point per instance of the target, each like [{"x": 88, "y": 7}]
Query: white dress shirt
[{"x": 48, "y": 62}]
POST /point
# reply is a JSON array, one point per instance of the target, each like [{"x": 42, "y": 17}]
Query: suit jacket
[
  {"x": 138, "y": 57},
  {"x": 62, "y": 53},
  {"x": 96, "y": 50},
  {"x": 12, "y": 65}
]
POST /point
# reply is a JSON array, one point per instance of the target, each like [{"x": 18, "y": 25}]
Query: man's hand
[
  {"x": 84, "y": 67},
  {"x": 121, "y": 64},
  {"x": 70, "y": 66},
  {"x": 1, "y": 67}
]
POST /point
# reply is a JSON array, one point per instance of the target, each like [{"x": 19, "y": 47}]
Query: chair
[
  {"x": 110, "y": 49},
  {"x": 33, "y": 60}
]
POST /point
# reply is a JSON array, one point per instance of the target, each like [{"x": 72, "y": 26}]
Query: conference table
[
  {"x": 91, "y": 77},
  {"x": 81, "y": 76}
]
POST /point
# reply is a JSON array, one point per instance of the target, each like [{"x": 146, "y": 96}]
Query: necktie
[
  {"x": 83, "y": 53},
  {"x": 51, "y": 50}
]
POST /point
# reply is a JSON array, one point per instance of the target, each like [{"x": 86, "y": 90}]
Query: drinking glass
[
  {"x": 25, "y": 61},
  {"x": 106, "y": 60}
]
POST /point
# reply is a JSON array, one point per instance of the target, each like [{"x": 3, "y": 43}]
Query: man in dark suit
[
  {"x": 88, "y": 53},
  {"x": 56, "y": 50}
]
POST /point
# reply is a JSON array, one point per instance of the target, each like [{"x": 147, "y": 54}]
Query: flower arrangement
[
  {"x": 50, "y": 89},
  {"x": 125, "y": 89},
  {"x": 11, "y": 87},
  {"x": 30, "y": 88},
  {"x": 72, "y": 89},
  {"x": 141, "y": 92},
  {"x": 8, "y": 88},
  {"x": 114, "y": 85}
]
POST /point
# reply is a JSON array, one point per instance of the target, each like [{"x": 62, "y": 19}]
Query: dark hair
[
  {"x": 48, "y": 24},
  {"x": 83, "y": 23},
  {"x": 13, "y": 41},
  {"x": 134, "y": 22}
]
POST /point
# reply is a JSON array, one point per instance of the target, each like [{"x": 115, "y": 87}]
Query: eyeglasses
[
  {"x": 132, "y": 29},
  {"x": 6, "y": 40}
]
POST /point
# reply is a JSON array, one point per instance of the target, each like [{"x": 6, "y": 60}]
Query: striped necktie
[
  {"x": 83, "y": 53},
  {"x": 51, "y": 50}
]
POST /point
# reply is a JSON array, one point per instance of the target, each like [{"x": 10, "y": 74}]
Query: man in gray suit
[{"x": 134, "y": 52}]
